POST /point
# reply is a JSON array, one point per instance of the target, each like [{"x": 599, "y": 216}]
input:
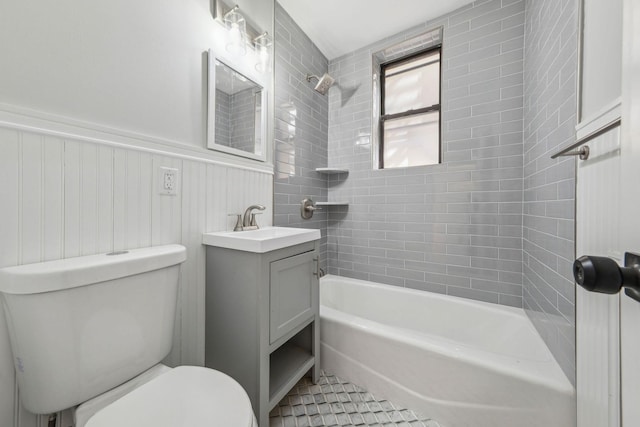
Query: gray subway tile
[
  {"x": 483, "y": 186},
  {"x": 473, "y": 294}
]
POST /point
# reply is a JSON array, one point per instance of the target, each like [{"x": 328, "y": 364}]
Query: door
[
  {"x": 630, "y": 209},
  {"x": 608, "y": 203},
  {"x": 598, "y": 315}
]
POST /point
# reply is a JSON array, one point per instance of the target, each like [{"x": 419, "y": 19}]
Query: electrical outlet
[{"x": 168, "y": 181}]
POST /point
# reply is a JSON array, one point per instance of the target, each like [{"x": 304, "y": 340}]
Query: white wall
[
  {"x": 131, "y": 65},
  {"x": 94, "y": 98}
]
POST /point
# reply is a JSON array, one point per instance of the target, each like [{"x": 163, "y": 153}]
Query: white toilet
[{"x": 91, "y": 331}]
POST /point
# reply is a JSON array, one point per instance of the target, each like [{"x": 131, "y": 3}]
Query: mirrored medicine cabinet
[{"x": 237, "y": 121}]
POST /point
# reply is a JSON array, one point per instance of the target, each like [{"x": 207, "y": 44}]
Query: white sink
[{"x": 263, "y": 240}]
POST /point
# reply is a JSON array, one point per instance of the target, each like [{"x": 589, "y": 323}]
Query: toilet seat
[{"x": 186, "y": 396}]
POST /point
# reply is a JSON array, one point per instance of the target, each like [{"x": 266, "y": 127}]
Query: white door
[
  {"x": 608, "y": 209},
  {"x": 598, "y": 315},
  {"x": 630, "y": 209}
]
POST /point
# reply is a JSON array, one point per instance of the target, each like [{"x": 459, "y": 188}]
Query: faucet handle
[
  {"x": 253, "y": 222},
  {"x": 238, "y": 226}
]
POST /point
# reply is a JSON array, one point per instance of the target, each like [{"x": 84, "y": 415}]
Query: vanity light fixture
[
  {"x": 237, "y": 26},
  {"x": 262, "y": 44}
]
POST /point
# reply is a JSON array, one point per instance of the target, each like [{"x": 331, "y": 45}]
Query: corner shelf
[
  {"x": 331, "y": 171},
  {"x": 337, "y": 203}
]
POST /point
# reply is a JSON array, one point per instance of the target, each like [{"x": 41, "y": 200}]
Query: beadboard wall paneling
[
  {"x": 68, "y": 197},
  {"x": 8, "y": 239}
]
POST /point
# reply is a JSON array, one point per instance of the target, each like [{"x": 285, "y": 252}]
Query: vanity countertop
[{"x": 262, "y": 240}]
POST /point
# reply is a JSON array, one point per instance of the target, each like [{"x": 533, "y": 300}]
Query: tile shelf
[
  {"x": 331, "y": 171},
  {"x": 337, "y": 203}
]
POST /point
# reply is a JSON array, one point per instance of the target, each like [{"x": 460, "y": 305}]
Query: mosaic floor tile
[{"x": 334, "y": 402}]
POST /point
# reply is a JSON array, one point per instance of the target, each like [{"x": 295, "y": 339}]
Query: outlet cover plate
[{"x": 168, "y": 181}]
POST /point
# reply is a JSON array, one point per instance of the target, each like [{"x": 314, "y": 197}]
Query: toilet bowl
[
  {"x": 89, "y": 333},
  {"x": 182, "y": 396}
]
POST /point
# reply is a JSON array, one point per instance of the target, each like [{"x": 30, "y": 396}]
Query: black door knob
[
  {"x": 601, "y": 274},
  {"x": 598, "y": 274}
]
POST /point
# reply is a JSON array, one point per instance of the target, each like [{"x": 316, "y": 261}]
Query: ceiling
[{"x": 338, "y": 27}]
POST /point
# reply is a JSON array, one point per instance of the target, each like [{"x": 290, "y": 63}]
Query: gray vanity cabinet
[
  {"x": 262, "y": 319},
  {"x": 290, "y": 293}
]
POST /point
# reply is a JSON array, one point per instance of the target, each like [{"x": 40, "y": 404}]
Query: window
[{"x": 409, "y": 119}]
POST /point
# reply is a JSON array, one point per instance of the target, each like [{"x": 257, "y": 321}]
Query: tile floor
[{"x": 335, "y": 402}]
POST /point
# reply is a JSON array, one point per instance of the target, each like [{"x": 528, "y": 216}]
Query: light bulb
[
  {"x": 262, "y": 44},
  {"x": 263, "y": 60},
  {"x": 237, "y": 32}
]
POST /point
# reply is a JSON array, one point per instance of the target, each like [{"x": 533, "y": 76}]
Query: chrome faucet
[{"x": 249, "y": 220}]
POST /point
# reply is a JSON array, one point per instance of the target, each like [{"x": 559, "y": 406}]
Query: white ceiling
[{"x": 338, "y": 27}]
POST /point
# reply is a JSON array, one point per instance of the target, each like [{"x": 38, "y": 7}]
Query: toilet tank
[{"x": 81, "y": 326}]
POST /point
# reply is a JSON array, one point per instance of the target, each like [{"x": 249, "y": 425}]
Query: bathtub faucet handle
[{"x": 307, "y": 208}]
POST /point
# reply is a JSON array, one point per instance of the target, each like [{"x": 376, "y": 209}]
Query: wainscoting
[{"x": 81, "y": 192}]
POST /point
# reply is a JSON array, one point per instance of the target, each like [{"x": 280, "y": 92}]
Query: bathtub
[{"x": 461, "y": 362}]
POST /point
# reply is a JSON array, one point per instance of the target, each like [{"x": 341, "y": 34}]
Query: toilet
[{"x": 89, "y": 333}]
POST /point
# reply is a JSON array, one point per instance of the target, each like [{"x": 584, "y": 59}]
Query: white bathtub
[{"x": 460, "y": 362}]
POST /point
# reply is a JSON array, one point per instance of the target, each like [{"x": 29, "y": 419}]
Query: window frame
[{"x": 413, "y": 112}]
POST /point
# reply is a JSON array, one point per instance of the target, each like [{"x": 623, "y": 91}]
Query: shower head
[{"x": 324, "y": 82}]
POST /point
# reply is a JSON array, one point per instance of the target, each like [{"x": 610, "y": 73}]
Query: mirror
[{"x": 237, "y": 112}]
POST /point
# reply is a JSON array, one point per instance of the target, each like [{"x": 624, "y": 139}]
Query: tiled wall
[
  {"x": 548, "y": 211},
  {"x": 223, "y": 118},
  {"x": 243, "y": 122},
  {"x": 235, "y": 119},
  {"x": 300, "y": 128},
  {"x": 461, "y": 227},
  {"x": 453, "y": 228}
]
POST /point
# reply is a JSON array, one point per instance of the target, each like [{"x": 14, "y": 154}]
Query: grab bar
[{"x": 584, "y": 154}]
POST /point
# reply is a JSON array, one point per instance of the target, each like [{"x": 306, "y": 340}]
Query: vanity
[{"x": 262, "y": 310}]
